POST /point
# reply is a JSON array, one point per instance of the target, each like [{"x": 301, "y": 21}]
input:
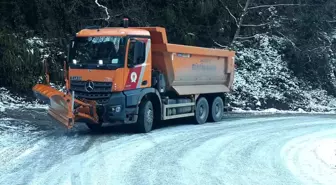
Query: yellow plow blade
[{"x": 64, "y": 109}]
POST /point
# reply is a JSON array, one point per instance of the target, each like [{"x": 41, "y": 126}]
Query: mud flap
[{"x": 64, "y": 109}]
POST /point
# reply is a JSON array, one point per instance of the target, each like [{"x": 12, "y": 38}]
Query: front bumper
[{"x": 114, "y": 110}]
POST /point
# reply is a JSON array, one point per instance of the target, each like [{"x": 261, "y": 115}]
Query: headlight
[{"x": 116, "y": 109}]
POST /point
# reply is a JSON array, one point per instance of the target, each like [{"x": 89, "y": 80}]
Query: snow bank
[
  {"x": 276, "y": 111},
  {"x": 9, "y": 101},
  {"x": 263, "y": 81}
]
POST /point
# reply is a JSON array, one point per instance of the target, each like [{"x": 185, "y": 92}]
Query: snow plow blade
[{"x": 64, "y": 109}]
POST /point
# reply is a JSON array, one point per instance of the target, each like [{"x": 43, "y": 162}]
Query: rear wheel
[
  {"x": 216, "y": 111},
  {"x": 146, "y": 117},
  {"x": 202, "y": 111}
]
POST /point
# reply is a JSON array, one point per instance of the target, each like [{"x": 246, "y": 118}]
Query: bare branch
[
  {"x": 288, "y": 19},
  {"x": 117, "y": 15},
  {"x": 247, "y": 4},
  {"x": 222, "y": 46},
  {"x": 241, "y": 6},
  {"x": 231, "y": 14},
  {"x": 275, "y": 5},
  {"x": 321, "y": 47},
  {"x": 246, "y": 38},
  {"x": 191, "y": 34},
  {"x": 255, "y": 25}
]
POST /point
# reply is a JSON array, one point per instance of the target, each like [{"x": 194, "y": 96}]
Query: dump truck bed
[{"x": 189, "y": 69}]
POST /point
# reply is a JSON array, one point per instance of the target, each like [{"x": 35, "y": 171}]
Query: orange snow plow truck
[{"x": 132, "y": 75}]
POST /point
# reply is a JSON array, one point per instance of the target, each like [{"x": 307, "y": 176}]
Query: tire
[
  {"x": 202, "y": 111},
  {"x": 95, "y": 127},
  {"x": 146, "y": 117},
  {"x": 216, "y": 110}
]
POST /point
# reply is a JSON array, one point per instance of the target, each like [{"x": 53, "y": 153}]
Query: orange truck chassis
[{"x": 134, "y": 76}]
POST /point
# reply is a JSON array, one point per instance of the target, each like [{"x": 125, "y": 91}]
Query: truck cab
[
  {"x": 118, "y": 58},
  {"x": 110, "y": 66}
]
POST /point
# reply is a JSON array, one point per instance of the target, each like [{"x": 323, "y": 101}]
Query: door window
[{"x": 136, "y": 52}]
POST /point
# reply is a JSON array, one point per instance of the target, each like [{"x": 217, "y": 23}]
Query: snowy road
[{"x": 241, "y": 150}]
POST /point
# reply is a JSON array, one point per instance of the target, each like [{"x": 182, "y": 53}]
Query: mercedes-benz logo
[{"x": 89, "y": 86}]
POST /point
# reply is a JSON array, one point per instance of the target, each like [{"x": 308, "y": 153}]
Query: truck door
[{"x": 138, "y": 63}]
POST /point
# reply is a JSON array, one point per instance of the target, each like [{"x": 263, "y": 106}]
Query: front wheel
[
  {"x": 146, "y": 117},
  {"x": 95, "y": 127}
]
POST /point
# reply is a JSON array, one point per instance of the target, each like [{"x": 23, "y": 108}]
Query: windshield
[{"x": 97, "y": 51}]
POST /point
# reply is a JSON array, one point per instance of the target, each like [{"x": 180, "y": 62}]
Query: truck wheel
[
  {"x": 202, "y": 111},
  {"x": 146, "y": 117},
  {"x": 95, "y": 127},
  {"x": 216, "y": 110}
]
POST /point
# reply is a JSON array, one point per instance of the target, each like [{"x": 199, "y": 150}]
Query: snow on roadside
[
  {"x": 326, "y": 152},
  {"x": 276, "y": 111},
  {"x": 18, "y": 138},
  {"x": 311, "y": 157},
  {"x": 9, "y": 101}
]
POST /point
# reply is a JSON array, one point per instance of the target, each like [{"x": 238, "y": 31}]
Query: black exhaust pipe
[{"x": 125, "y": 22}]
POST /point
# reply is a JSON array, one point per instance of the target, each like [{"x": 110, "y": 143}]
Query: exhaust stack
[{"x": 125, "y": 22}]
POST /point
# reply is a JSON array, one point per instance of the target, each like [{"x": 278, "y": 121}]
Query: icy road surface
[{"x": 265, "y": 150}]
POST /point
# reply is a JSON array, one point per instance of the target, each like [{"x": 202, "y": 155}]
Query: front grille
[
  {"x": 101, "y": 91},
  {"x": 99, "y": 87}
]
